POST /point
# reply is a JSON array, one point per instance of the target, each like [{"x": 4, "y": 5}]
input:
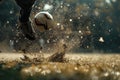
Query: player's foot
[{"x": 28, "y": 30}]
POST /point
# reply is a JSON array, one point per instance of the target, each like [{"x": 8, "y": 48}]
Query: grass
[{"x": 74, "y": 67}]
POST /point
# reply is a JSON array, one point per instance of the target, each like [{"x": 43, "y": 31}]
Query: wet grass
[{"x": 74, "y": 67}]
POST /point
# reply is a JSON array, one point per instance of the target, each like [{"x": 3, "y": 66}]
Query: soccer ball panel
[{"x": 43, "y": 21}]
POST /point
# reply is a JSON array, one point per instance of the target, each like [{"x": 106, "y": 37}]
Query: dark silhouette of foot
[{"x": 28, "y": 30}]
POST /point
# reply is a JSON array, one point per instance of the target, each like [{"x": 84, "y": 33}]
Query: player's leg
[{"x": 25, "y": 25}]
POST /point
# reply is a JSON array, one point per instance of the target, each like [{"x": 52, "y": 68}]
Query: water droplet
[
  {"x": 58, "y": 24},
  {"x": 101, "y": 39},
  {"x": 70, "y": 20},
  {"x": 11, "y": 12},
  {"x": 106, "y": 74},
  {"x": 75, "y": 68}
]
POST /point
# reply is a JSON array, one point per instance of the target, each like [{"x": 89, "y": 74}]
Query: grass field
[{"x": 19, "y": 66}]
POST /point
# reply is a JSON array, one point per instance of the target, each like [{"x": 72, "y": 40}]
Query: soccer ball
[{"x": 43, "y": 21}]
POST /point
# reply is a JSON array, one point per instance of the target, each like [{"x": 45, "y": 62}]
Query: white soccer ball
[{"x": 43, "y": 21}]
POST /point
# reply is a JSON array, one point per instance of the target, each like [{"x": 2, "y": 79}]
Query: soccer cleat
[{"x": 28, "y": 30}]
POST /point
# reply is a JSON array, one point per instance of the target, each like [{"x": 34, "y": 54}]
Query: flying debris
[
  {"x": 59, "y": 56},
  {"x": 101, "y": 39},
  {"x": 47, "y": 7}
]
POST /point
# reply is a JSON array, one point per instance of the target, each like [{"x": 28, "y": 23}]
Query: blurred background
[{"x": 84, "y": 25}]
